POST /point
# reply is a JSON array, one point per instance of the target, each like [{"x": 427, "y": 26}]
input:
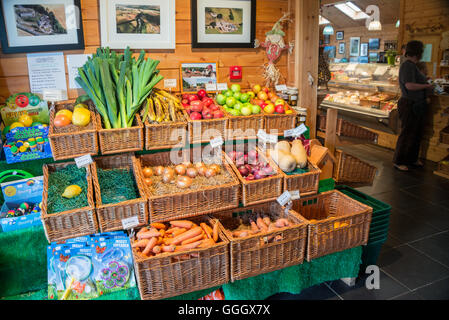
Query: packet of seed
[{"x": 57, "y": 256}]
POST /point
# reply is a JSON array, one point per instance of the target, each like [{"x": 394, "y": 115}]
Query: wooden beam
[{"x": 331, "y": 130}]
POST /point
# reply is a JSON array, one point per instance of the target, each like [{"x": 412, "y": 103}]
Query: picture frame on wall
[
  {"x": 340, "y": 35},
  {"x": 364, "y": 49},
  {"x": 330, "y": 50},
  {"x": 373, "y": 57},
  {"x": 327, "y": 39},
  {"x": 40, "y": 25},
  {"x": 341, "y": 48},
  {"x": 391, "y": 45},
  {"x": 195, "y": 76},
  {"x": 139, "y": 24},
  {"x": 354, "y": 46},
  {"x": 374, "y": 44},
  {"x": 223, "y": 24}
]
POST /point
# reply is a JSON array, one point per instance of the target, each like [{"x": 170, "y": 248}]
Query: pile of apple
[
  {"x": 250, "y": 166},
  {"x": 237, "y": 103},
  {"x": 200, "y": 106},
  {"x": 269, "y": 101}
]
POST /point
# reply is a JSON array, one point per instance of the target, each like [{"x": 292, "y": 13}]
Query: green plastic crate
[
  {"x": 370, "y": 253},
  {"x": 326, "y": 185}
]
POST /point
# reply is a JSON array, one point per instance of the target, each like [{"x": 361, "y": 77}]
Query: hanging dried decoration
[
  {"x": 274, "y": 46},
  {"x": 324, "y": 74}
]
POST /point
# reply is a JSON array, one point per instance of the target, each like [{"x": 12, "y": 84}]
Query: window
[
  {"x": 351, "y": 10},
  {"x": 323, "y": 20}
]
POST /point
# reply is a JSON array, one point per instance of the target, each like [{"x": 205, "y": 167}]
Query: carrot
[
  {"x": 158, "y": 225},
  {"x": 144, "y": 229},
  {"x": 240, "y": 233},
  {"x": 186, "y": 235},
  {"x": 206, "y": 243},
  {"x": 281, "y": 223},
  {"x": 189, "y": 246},
  {"x": 206, "y": 230},
  {"x": 215, "y": 232},
  {"x": 182, "y": 224},
  {"x": 194, "y": 239},
  {"x": 156, "y": 249},
  {"x": 159, "y": 240},
  {"x": 140, "y": 244},
  {"x": 162, "y": 232},
  {"x": 254, "y": 227},
  {"x": 171, "y": 230},
  {"x": 149, "y": 234},
  {"x": 169, "y": 248},
  {"x": 150, "y": 246},
  {"x": 209, "y": 228},
  {"x": 272, "y": 226},
  {"x": 278, "y": 238},
  {"x": 261, "y": 225},
  {"x": 178, "y": 232},
  {"x": 266, "y": 220}
]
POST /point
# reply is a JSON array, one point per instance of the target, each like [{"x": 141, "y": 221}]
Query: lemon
[
  {"x": 65, "y": 112},
  {"x": 80, "y": 105},
  {"x": 72, "y": 191},
  {"x": 81, "y": 117},
  {"x": 26, "y": 120},
  {"x": 16, "y": 125}
]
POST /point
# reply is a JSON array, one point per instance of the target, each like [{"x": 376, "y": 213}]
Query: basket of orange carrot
[{"x": 180, "y": 256}]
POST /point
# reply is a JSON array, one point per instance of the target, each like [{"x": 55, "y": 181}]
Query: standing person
[{"x": 411, "y": 108}]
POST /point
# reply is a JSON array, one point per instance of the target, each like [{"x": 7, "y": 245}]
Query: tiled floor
[{"x": 414, "y": 262}]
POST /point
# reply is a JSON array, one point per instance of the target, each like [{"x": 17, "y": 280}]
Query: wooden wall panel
[{"x": 14, "y": 71}]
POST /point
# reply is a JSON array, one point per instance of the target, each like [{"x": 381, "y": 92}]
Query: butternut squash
[
  {"x": 283, "y": 145},
  {"x": 299, "y": 153}
]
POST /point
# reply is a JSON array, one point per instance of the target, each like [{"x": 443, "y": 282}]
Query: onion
[
  {"x": 244, "y": 171},
  {"x": 147, "y": 172},
  {"x": 216, "y": 167},
  {"x": 168, "y": 177},
  {"x": 199, "y": 164},
  {"x": 183, "y": 182},
  {"x": 188, "y": 164},
  {"x": 180, "y": 169},
  {"x": 210, "y": 172},
  {"x": 192, "y": 172},
  {"x": 169, "y": 170},
  {"x": 148, "y": 181},
  {"x": 159, "y": 171},
  {"x": 202, "y": 170}
]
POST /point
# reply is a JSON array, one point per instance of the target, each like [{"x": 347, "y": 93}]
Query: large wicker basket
[
  {"x": 337, "y": 223},
  {"x": 352, "y": 170},
  {"x": 70, "y": 142},
  {"x": 243, "y": 127},
  {"x": 71, "y": 223},
  {"x": 348, "y": 129},
  {"x": 110, "y": 216},
  {"x": 203, "y": 131},
  {"x": 277, "y": 124},
  {"x": 173, "y": 274},
  {"x": 257, "y": 254},
  {"x": 165, "y": 135},
  {"x": 189, "y": 203},
  {"x": 121, "y": 140},
  {"x": 259, "y": 191},
  {"x": 307, "y": 183}
]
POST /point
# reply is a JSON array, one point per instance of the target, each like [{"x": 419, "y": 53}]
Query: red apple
[
  {"x": 195, "y": 116},
  {"x": 197, "y": 106},
  {"x": 263, "y": 105},
  {"x": 192, "y": 97},
  {"x": 202, "y": 93},
  {"x": 213, "y": 107},
  {"x": 279, "y": 108},
  {"x": 266, "y": 90},
  {"x": 185, "y": 102},
  {"x": 185, "y": 96},
  {"x": 218, "y": 114},
  {"x": 207, "y": 101},
  {"x": 207, "y": 114}
]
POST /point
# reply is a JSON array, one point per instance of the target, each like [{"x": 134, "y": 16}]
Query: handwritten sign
[{"x": 83, "y": 161}]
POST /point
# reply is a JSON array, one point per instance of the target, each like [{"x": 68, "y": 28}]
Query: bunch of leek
[{"x": 118, "y": 84}]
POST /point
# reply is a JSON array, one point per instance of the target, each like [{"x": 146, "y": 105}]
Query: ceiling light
[
  {"x": 375, "y": 26},
  {"x": 328, "y": 30},
  {"x": 351, "y": 10}
]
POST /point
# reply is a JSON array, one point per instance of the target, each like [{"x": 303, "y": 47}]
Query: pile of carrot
[
  {"x": 176, "y": 236},
  {"x": 261, "y": 224}
]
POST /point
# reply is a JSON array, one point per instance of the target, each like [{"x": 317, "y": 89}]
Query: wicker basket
[
  {"x": 277, "y": 124},
  {"x": 189, "y": 203},
  {"x": 340, "y": 223},
  {"x": 348, "y": 129},
  {"x": 444, "y": 136},
  {"x": 259, "y": 191},
  {"x": 71, "y": 223},
  {"x": 110, "y": 216},
  {"x": 173, "y": 274},
  {"x": 202, "y": 131},
  {"x": 257, "y": 254},
  {"x": 120, "y": 140},
  {"x": 165, "y": 135},
  {"x": 70, "y": 142},
  {"x": 243, "y": 127},
  {"x": 352, "y": 170},
  {"x": 307, "y": 183}
]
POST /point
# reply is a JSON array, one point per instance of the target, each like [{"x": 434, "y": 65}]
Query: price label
[
  {"x": 295, "y": 195},
  {"x": 302, "y": 119},
  {"x": 262, "y": 135},
  {"x": 222, "y": 86},
  {"x": 130, "y": 223},
  {"x": 170, "y": 83},
  {"x": 54, "y": 95},
  {"x": 211, "y": 87},
  {"x": 83, "y": 161},
  {"x": 295, "y": 132},
  {"x": 284, "y": 198},
  {"x": 217, "y": 142},
  {"x": 281, "y": 87}
]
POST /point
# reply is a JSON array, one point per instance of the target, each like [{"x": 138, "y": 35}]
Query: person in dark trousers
[{"x": 412, "y": 107}]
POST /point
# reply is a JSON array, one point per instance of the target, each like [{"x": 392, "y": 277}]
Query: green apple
[
  {"x": 237, "y": 95},
  {"x": 229, "y": 94},
  {"x": 235, "y": 112},
  {"x": 279, "y": 102},
  {"x": 246, "y": 111},
  {"x": 251, "y": 94},
  {"x": 244, "y": 97},
  {"x": 256, "y": 109},
  {"x": 228, "y": 110},
  {"x": 238, "y": 106},
  {"x": 235, "y": 88},
  {"x": 221, "y": 99},
  {"x": 230, "y": 102},
  {"x": 247, "y": 104}
]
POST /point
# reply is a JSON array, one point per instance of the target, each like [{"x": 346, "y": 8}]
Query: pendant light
[
  {"x": 328, "y": 30},
  {"x": 375, "y": 26}
]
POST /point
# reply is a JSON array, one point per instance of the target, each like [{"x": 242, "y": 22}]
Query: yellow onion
[
  {"x": 210, "y": 172},
  {"x": 147, "y": 172},
  {"x": 183, "y": 182},
  {"x": 159, "y": 170},
  {"x": 180, "y": 169},
  {"x": 192, "y": 172},
  {"x": 202, "y": 170},
  {"x": 168, "y": 177},
  {"x": 216, "y": 167}
]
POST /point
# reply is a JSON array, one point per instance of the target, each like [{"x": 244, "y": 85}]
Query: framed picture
[
  {"x": 373, "y": 57},
  {"x": 340, "y": 35},
  {"x": 330, "y": 50},
  {"x": 223, "y": 23},
  {"x": 327, "y": 39},
  {"x": 390, "y": 45},
  {"x": 354, "y": 47},
  {"x": 363, "y": 60},
  {"x": 40, "y": 25},
  {"x": 382, "y": 57},
  {"x": 341, "y": 48},
  {"x": 195, "y": 76},
  {"x": 139, "y": 24},
  {"x": 364, "y": 49},
  {"x": 374, "y": 44}
]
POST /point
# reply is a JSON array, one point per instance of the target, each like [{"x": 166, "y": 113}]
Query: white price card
[
  {"x": 297, "y": 132},
  {"x": 83, "y": 161},
  {"x": 217, "y": 142},
  {"x": 295, "y": 195},
  {"x": 281, "y": 87},
  {"x": 284, "y": 198},
  {"x": 222, "y": 86},
  {"x": 211, "y": 87},
  {"x": 130, "y": 223},
  {"x": 270, "y": 138},
  {"x": 54, "y": 95},
  {"x": 170, "y": 83}
]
